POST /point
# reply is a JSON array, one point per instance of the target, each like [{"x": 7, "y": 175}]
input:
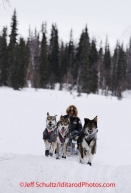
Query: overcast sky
[{"x": 110, "y": 18}]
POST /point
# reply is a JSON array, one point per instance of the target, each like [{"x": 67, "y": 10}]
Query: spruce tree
[
  {"x": 100, "y": 68},
  {"x": 33, "y": 53},
  {"x": 121, "y": 72},
  {"x": 36, "y": 70},
  {"x": 86, "y": 72},
  {"x": 4, "y": 58},
  {"x": 114, "y": 70},
  {"x": 12, "y": 53},
  {"x": 54, "y": 57},
  {"x": 107, "y": 65},
  {"x": 43, "y": 63},
  {"x": 23, "y": 59},
  {"x": 128, "y": 59},
  {"x": 62, "y": 64},
  {"x": 93, "y": 67},
  {"x": 84, "y": 63},
  {"x": 70, "y": 60}
]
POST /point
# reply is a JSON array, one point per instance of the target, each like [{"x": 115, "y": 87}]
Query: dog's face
[
  {"x": 50, "y": 122},
  {"x": 90, "y": 126},
  {"x": 63, "y": 126}
]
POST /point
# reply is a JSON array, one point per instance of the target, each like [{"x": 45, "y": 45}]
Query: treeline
[{"x": 43, "y": 63}]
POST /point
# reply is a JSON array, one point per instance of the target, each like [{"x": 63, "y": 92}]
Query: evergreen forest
[{"x": 43, "y": 62}]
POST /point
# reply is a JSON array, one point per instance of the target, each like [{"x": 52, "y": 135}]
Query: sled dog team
[{"x": 63, "y": 135}]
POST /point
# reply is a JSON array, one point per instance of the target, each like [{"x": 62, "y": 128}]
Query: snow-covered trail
[
  {"x": 37, "y": 169},
  {"x": 22, "y": 159}
]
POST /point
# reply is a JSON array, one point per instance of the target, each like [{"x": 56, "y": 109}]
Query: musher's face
[{"x": 71, "y": 112}]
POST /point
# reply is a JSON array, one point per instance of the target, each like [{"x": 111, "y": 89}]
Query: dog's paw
[
  {"x": 64, "y": 157},
  {"x": 51, "y": 154},
  {"x": 81, "y": 161},
  {"x": 89, "y": 163},
  {"x": 57, "y": 158},
  {"x": 47, "y": 153},
  {"x": 85, "y": 151}
]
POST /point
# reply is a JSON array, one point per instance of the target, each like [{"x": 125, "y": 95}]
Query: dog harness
[
  {"x": 62, "y": 140},
  {"x": 50, "y": 136},
  {"x": 90, "y": 137}
]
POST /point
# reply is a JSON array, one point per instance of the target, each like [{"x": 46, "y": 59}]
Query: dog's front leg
[
  {"x": 81, "y": 150},
  {"x": 47, "y": 147},
  {"x": 90, "y": 159},
  {"x": 58, "y": 151},
  {"x": 52, "y": 148},
  {"x": 65, "y": 149},
  {"x": 90, "y": 154}
]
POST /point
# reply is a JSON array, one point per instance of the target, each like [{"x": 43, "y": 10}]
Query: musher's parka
[{"x": 75, "y": 122}]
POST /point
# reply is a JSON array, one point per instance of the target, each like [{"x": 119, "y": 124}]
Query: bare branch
[{"x": 5, "y": 2}]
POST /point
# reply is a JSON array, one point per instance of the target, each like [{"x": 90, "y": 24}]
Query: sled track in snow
[
  {"x": 6, "y": 157},
  {"x": 29, "y": 168}
]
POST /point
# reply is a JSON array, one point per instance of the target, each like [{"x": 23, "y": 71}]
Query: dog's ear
[
  {"x": 61, "y": 117},
  {"x": 86, "y": 120},
  {"x": 68, "y": 120},
  {"x": 48, "y": 114},
  {"x": 95, "y": 119},
  {"x": 55, "y": 116}
]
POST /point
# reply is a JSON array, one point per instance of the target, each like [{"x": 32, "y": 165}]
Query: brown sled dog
[
  {"x": 62, "y": 137},
  {"x": 87, "y": 140}
]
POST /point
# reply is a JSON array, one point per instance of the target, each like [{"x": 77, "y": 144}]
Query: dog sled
[{"x": 60, "y": 141}]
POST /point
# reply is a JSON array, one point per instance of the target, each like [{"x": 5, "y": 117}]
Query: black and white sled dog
[
  {"x": 87, "y": 140},
  {"x": 62, "y": 137},
  {"x": 50, "y": 135}
]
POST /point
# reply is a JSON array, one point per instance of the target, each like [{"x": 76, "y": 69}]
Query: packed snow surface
[{"x": 22, "y": 159}]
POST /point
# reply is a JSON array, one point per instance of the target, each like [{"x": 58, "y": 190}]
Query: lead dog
[
  {"x": 62, "y": 137},
  {"x": 50, "y": 134},
  {"x": 87, "y": 140}
]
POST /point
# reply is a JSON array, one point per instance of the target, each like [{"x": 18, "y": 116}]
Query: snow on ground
[{"x": 22, "y": 159}]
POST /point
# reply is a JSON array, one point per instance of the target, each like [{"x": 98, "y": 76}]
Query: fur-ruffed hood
[{"x": 74, "y": 107}]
